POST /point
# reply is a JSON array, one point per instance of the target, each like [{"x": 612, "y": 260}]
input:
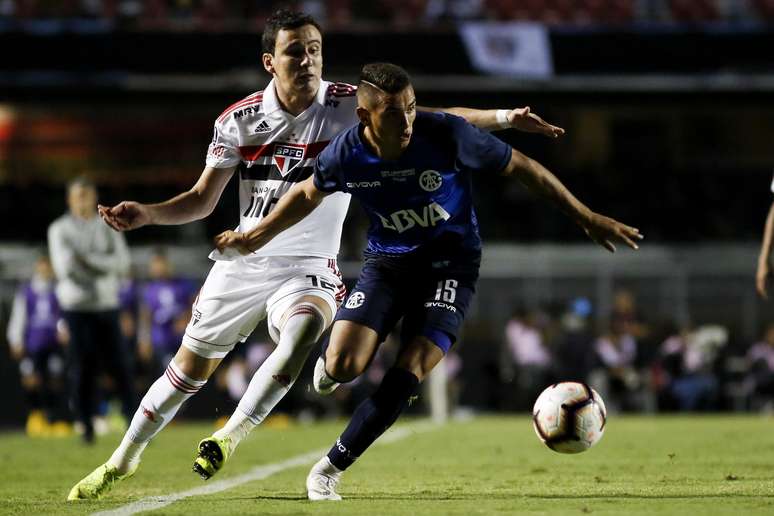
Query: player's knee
[
  {"x": 422, "y": 354},
  {"x": 194, "y": 365},
  {"x": 344, "y": 366},
  {"x": 303, "y": 324}
]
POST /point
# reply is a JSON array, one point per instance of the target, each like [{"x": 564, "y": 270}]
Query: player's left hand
[
  {"x": 604, "y": 231},
  {"x": 524, "y": 120},
  {"x": 232, "y": 239}
]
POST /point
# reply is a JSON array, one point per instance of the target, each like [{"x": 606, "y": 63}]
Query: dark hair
[
  {"x": 283, "y": 19},
  {"x": 387, "y": 77}
]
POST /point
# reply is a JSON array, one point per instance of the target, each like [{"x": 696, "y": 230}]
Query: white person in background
[{"x": 89, "y": 261}]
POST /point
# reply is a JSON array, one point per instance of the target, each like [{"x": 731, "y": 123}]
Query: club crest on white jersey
[{"x": 287, "y": 156}]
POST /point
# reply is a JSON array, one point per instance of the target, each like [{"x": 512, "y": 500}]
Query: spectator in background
[
  {"x": 688, "y": 359},
  {"x": 616, "y": 377},
  {"x": 574, "y": 356},
  {"x": 761, "y": 376},
  {"x": 625, "y": 313},
  {"x": 89, "y": 259},
  {"x": 164, "y": 314},
  {"x": 36, "y": 344},
  {"x": 528, "y": 358},
  {"x": 128, "y": 307}
]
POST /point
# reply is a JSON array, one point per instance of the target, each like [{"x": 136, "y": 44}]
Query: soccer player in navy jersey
[
  {"x": 269, "y": 140},
  {"x": 413, "y": 173}
]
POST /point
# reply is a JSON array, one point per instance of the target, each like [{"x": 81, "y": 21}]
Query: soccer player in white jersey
[{"x": 271, "y": 138}]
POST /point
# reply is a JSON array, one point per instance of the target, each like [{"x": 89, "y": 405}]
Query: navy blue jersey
[{"x": 423, "y": 195}]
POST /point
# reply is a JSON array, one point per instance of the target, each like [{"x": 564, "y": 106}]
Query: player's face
[
  {"x": 82, "y": 201},
  {"x": 297, "y": 60},
  {"x": 392, "y": 119}
]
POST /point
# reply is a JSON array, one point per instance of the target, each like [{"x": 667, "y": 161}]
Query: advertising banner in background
[{"x": 516, "y": 49}]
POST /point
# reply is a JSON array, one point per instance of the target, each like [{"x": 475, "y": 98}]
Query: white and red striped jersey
[{"x": 273, "y": 150}]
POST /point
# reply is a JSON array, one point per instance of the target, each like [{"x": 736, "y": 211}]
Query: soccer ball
[{"x": 569, "y": 417}]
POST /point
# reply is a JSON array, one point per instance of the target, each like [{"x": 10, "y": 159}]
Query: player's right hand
[
  {"x": 524, "y": 120},
  {"x": 762, "y": 279},
  {"x": 232, "y": 239},
  {"x": 604, "y": 231},
  {"x": 124, "y": 216}
]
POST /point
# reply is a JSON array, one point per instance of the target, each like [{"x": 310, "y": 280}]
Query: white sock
[
  {"x": 157, "y": 408},
  {"x": 326, "y": 467},
  {"x": 278, "y": 373}
]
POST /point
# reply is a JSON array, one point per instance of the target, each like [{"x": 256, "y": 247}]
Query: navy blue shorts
[{"x": 429, "y": 295}]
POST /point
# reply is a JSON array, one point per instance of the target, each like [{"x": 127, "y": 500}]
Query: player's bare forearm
[
  {"x": 599, "y": 228},
  {"x": 521, "y": 119},
  {"x": 181, "y": 209},
  {"x": 763, "y": 270},
  {"x": 485, "y": 119},
  {"x": 292, "y": 207},
  {"x": 768, "y": 237},
  {"x": 543, "y": 183},
  {"x": 196, "y": 203}
]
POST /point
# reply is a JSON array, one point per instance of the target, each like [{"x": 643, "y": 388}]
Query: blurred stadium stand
[
  {"x": 181, "y": 15},
  {"x": 666, "y": 104}
]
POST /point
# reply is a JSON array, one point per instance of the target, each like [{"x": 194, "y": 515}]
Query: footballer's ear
[
  {"x": 268, "y": 62},
  {"x": 364, "y": 115}
]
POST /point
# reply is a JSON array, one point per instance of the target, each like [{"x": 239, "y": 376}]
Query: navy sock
[{"x": 375, "y": 415}]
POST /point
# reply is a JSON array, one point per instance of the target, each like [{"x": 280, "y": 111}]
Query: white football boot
[
  {"x": 323, "y": 383},
  {"x": 322, "y": 481}
]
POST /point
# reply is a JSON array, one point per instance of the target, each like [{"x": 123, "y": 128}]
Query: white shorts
[{"x": 239, "y": 294}]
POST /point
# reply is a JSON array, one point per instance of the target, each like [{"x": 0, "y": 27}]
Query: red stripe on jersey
[
  {"x": 252, "y": 99},
  {"x": 253, "y": 152},
  {"x": 238, "y": 105},
  {"x": 315, "y": 148},
  {"x": 341, "y": 86}
]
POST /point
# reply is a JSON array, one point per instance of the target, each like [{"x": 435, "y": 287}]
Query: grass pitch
[{"x": 490, "y": 465}]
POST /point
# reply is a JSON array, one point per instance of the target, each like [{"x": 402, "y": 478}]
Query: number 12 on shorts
[
  {"x": 321, "y": 283},
  {"x": 447, "y": 290}
]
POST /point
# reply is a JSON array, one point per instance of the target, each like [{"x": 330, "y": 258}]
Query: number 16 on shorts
[{"x": 447, "y": 290}]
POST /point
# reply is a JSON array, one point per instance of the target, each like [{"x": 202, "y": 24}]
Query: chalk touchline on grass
[{"x": 152, "y": 503}]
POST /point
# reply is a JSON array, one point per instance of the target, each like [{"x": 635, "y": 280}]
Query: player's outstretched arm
[
  {"x": 299, "y": 202},
  {"x": 763, "y": 271},
  {"x": 602, "y": 230},
  {"x": 496, "y": 119},
  {"x": 195, "y": 204}
]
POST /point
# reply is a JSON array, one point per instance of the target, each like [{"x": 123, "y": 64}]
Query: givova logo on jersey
[{"x": 287, "y": 156}]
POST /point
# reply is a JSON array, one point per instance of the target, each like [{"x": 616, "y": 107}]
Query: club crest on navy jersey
[
  {"x": 287, "y": 156},
  {"x": 430, "y": 180}
]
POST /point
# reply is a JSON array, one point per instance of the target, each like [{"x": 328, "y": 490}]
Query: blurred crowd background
[
  {"x": 667, "y": 107},
  {"x": 342, "y": 14}
]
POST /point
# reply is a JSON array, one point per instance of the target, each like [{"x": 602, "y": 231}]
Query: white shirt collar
[{"x": 270, "y": 103}]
